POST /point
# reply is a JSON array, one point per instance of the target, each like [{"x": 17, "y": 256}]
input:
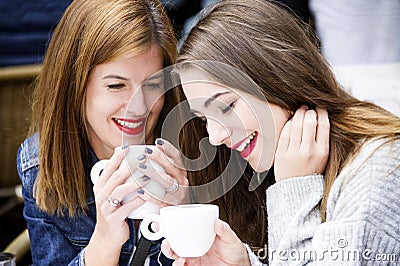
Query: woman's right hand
[
  {"x": 227, "y": 249},
  {"x": 303, "y": 146},
  {"x": 111, "y": 230}
]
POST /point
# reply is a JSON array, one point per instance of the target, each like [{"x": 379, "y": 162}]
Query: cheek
[
  {"x": 279, "y": 124},
  {"x": 153, "y": 116},
  {"x": 158, "y": 106},
  {"x": 90, "y": 109},
  {"x": 98, "y": 108},
  {"x": 95, "y": 117}
]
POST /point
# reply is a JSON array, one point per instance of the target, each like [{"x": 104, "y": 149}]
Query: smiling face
[
  {"x": 237, "y": 119},
  {"x": 118, "y": 107}
]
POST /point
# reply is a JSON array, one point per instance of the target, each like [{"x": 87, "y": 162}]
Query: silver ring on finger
[
  {"x": 113, "y": 202},
  {"x": 174, "y": 187}
]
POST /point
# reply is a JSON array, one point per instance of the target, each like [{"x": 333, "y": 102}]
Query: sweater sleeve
[{"x": 293, "y": 217}]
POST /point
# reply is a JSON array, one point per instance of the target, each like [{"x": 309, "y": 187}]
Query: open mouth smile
[
  {"x": 130, "y": 126},
  {"x": 246, "y": 146}
]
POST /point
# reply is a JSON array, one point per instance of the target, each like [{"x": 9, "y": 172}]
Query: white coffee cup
[
  {"x": 153, "y": 188},
  {"x": 189, "y": 228}
]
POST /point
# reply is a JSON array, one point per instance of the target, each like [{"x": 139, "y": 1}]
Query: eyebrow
[
  {"x": 115, "y": 77},
  {"x": 153, "y": 77},
  {"x": 214, "y": 97}
]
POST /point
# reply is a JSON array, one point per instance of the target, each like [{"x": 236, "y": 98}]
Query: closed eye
[
  {"x": 116, "y": 86},
  {"x": 229, "y": 107}
]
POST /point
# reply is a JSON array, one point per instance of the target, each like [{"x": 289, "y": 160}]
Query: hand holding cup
[
  {"x": 132, "y": 159},
  {"x": 189, "y": 228}
]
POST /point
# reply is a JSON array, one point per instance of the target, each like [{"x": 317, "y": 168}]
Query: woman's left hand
[
  {"x": 303, "y": 147},
  {"x": 227, "y": 249},
  {"x": 174, "y": 180}
]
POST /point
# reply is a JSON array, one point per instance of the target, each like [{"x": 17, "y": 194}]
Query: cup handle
[
  {"x": 144, "y": 227},
  {"x": 96, "y": 170}
]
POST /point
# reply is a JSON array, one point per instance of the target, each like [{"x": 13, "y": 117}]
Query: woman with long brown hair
[
  {"x": 97, "y": 61},
  {"x": 253, "y": 73}
]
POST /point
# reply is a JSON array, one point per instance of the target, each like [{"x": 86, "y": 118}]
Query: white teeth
[
  {"x": 246, "y": 142},
  {"x": 241, "y": 147},
  {"x": 129, "y": 124}
]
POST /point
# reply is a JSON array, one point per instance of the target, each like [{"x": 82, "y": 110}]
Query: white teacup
[
  {"x": 188, "y": 228},
  {"x": 152, "y": 187}
]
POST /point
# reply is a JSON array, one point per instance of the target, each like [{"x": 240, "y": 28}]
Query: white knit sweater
[{"x": 363, "y": 214}]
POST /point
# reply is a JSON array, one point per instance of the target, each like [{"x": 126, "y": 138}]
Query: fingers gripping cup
[
  {"x": 152, "y": 187},
  {"x": 188, "y": 228}
]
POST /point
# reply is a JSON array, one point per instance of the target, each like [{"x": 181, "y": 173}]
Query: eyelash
[
  {"x": 224, "y": 111},
  {"x": 116, "y": 86},
  {"x": 230, "y": 107}
]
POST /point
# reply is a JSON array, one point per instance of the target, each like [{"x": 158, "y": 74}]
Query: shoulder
[
  {"x": 368, "y": 188},
  {"x": 376, "y": 158},
  {"x": 28, "y": 153},
  {"x": 379, "y": 151},
  {"x": 28, "y": 161}
]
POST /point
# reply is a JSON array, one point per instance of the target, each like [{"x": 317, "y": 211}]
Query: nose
[
  {"x": 218, "y": 133},
  {"x": 137, "y": 104}
]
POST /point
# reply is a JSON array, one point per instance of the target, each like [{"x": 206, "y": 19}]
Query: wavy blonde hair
[{"x": 91, "y": 32}]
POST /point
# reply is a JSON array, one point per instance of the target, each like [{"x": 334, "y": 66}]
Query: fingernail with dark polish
[
  {"x": 125, "y": 146},
  {"x": 143, "y": 166},
  {"x": 141, "y": 157},
  {"x": 140, "y": 191},
  {"x": 148, "y": 150},
  {"x": 160, "y": 142},
  {"x": 145, "y": 178}
]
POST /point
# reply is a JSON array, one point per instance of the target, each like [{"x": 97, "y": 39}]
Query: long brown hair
[
  {"x": 90, "y": 33},
  {"x": 281, "y": 56}
]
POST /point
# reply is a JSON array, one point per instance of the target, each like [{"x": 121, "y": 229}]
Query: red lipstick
[{"x": 130, "y": 126}]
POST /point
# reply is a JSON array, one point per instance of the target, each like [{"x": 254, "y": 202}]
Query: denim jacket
[{"x": 60, "y": 240}]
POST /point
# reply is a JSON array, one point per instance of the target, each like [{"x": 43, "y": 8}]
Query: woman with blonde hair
[
  {"x": 98, "y": 58},
  {"x": 270, "y": 96}
]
